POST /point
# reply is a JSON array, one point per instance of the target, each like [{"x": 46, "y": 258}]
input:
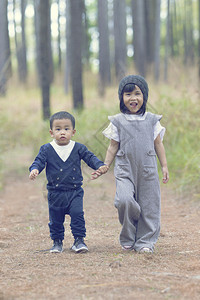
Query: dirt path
[{"x": 106, "y": 272}]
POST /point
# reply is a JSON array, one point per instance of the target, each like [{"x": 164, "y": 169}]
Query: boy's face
[
  {"x": 62, "y": 131},
  {"x": 133, "y": 100}
]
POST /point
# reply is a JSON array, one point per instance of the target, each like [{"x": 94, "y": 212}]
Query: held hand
[
  {"x": 165, "y": 174},
  {"x": 99, "y": 172},
  {"x": 34, "y": 173}
]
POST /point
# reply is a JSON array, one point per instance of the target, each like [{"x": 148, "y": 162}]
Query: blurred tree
[
  {"x": 44, "y": 53},
  {"x": 59, "y": 37},
  {"x": 157, "y": 42},
  {"x": 104, "y": 48},
  {"x": 150, "y": 18},
  {"x": 120, "y": 38},
  {"x": 5, "y": 60},
  {"x": 188, "y": 33},
  {"x": 167, "y": 41},
  {"x": 86, "y": 37},
  {"x": 20, "y": 40},
  {"x": 67, "y": 55},
  {"x": 199, "y": 37},
  {"x": 76, "y": 31},
  {"x": 139, "y": 36}
]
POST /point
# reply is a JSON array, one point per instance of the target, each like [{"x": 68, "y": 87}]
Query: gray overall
[{"x": 137, "y": 183}]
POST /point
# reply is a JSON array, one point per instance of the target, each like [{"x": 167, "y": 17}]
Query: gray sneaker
[
  {"x": 79, "y": 246},
  {"x": 57, "y": 246}
]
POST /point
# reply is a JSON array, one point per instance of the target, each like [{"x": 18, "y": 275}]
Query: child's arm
[
  {"x": 160, "y": 151},
  {"x": 33, "y": 174},
  {"x": 111, "y": 152},
  {"x": 110, "y": 155}
]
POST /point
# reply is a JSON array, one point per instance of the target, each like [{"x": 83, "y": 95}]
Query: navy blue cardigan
[{"x": 64, "y": 175}]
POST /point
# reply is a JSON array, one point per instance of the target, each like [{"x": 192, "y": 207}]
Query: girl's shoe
[
  {"x": 145, "y": 250},
  {"x": 127, "y": 248}
]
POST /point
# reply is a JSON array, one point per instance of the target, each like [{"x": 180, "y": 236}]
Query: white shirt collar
[{"x": 133, "y": 117}]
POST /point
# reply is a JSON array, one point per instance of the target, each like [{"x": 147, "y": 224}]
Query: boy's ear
[
  {"x": 51, "y": 132},
  {"x": 74, "y": 131}
]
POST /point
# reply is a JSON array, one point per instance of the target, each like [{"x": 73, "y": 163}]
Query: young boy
[{"x": 62, "y": 159}]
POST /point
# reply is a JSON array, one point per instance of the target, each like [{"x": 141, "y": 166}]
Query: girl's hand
[
  {"x": 99, "y": 172},
  {"x": 34, "y": 173},
  {"x": 165, "y": 174}
]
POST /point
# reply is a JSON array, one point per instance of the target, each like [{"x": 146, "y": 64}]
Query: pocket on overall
[
  {"x": 121, "y": 169},
  {"x": 150, "y": 167}
]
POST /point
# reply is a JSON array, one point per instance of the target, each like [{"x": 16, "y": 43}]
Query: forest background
[{"x": 70, "y": 55}]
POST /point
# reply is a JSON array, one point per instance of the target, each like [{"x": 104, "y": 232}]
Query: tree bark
[
  {"x": 76, "y": 11},
  {"x": 104, "y": 48},
  {"x": 120, "y": 38},
  {"x": 157, "y": 42},
  {"x": 42, "y": 10},
  {"x": 139, "y": 36},
  {"x": 5, "y": 56}
]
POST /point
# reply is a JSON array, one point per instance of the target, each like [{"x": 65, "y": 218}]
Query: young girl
[{"x": 136, "y": 137}]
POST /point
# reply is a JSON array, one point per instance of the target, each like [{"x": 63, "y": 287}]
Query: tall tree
[
  {"x": 150, "y": 17},
  {"x": 44, "y": 55},
  {"x": 59, "y": 37},
  {"x": 5, "y": 60},
  {"x": 167, "y": 41},
  {"x": 139, "y": 36},
  {"x": 120, "y": 38},
  {"x": 188, "y": 32},
  {"x": 199, "y": 37},
  {"x": 76, "y": 31},
  {"x": 104, "y": 48},
  {"x": 20, "y": 41},
  {"x": 157, "y": 42},
  {"x": 67, "y": 55}
]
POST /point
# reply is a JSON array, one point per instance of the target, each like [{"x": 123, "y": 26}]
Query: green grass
[{"x": 23, "y": 131}]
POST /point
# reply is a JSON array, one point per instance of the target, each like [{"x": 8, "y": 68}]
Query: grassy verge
[{"x": 23, "y": 131}]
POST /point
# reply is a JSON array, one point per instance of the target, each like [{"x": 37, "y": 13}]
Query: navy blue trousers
[{"x": 63, "y": 203}]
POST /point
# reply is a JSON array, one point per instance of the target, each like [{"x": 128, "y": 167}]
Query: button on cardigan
[{"x": 64, "y": 175}]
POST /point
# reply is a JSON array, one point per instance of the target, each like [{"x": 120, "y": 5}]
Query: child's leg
[
  {"x": 56, "y": 215},
  {"x": 128, "y": 210},
  {"x": 148, "y": 227},
  {"x": 77, "y": 215}
]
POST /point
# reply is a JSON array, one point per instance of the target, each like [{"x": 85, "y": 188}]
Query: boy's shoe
[
  {"x": 57, "y": 246},
  {"x": 145, "y": 250},
  {"x": 79, "y": 246}
]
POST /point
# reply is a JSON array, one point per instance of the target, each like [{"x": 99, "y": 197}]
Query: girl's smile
[{"x": 133, "y": 100}]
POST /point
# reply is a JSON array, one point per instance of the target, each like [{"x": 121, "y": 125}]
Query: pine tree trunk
[
  {"x": 120, "y": 38},
  {"x": 42, "y": 10},
  {"x": 76, "y": 10},
  {"x": 5, "y": 58},
  {"x": 104, "y": 49}
]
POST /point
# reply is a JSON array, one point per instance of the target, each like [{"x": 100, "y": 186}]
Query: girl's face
[
  {"x": 133, "y": 100},
  {"x": 62, "y": 131}
]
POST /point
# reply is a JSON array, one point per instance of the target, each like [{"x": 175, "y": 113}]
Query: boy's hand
[
  {"x": 165, "y": 174},
  {"x": 102, "y": 170},
  {"x": 34, "y": 173}
]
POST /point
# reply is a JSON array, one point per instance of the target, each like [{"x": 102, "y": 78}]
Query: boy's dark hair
[
  {"x": 62, "y": 115},
  {"x": 129, "y": 88}
]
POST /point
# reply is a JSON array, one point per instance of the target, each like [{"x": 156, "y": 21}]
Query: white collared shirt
[
  {"x": 111, "y": 131},
  {"x": 63, "y": 151}
]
